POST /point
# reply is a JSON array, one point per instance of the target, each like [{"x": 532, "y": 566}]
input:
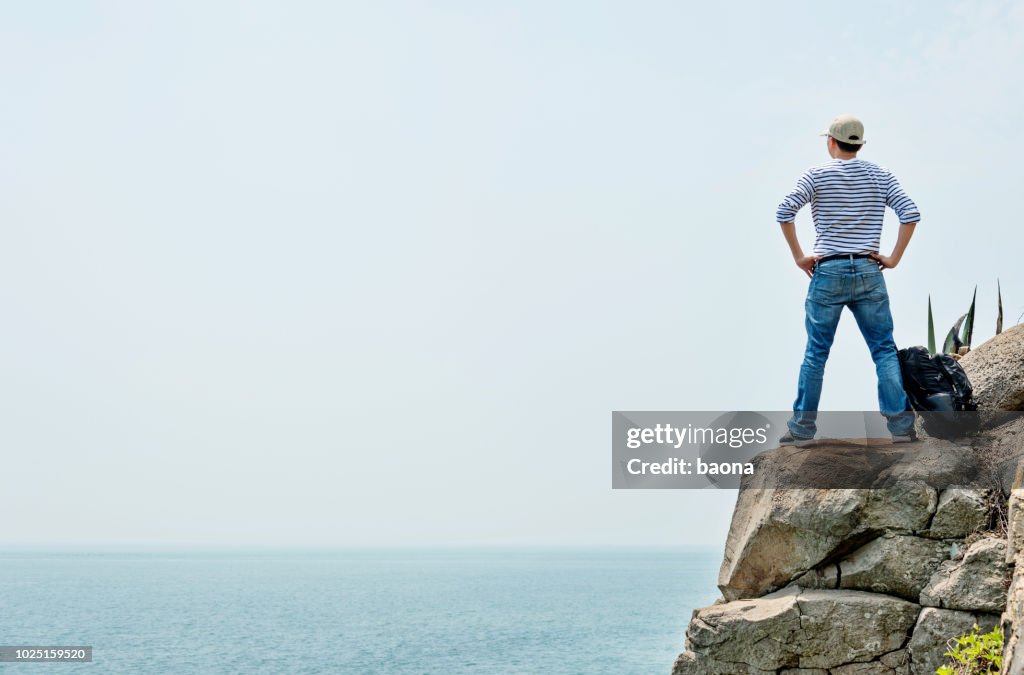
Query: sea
[{"x": 447, "y": 611}]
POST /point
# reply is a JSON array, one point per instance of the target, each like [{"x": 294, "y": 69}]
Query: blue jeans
[{"x": 858, "y": 284}]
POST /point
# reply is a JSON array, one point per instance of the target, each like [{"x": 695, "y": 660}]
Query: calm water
[{"x": 396, "y": 611}]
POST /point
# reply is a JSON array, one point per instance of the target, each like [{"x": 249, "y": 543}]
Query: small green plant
[{"x": 974, "y": 654}]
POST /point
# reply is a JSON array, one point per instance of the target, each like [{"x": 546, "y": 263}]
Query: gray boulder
[
  {"x": 937, "y": 462},
  {"x": 1008, "y": 470},
  {"x": 960, "y": 512},
  {"x": 934, "y": 628},
  {"x": 1005, "y": 453},
  {"x": 778, "y": 535},
  {"x": 842, "y": 627},
  {"x": 1013, "y": 622},
  {"x": 751, "y": 632},
  {"x": 996, "y": 371},
  {"x": 1015, "y": 525},
  {"x": 1013, "y": 617},
  {"x": 899, "y": 565},
  {"x": 797, "y": 628},
  {"x": 852, "y": 463},
  {"x": 976, "y": 582}
]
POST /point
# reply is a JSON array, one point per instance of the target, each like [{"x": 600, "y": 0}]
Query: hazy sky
[{"x": 378, "y": 273}]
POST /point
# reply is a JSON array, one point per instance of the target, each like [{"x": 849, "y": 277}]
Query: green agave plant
[{"x": 962, "y": 332}]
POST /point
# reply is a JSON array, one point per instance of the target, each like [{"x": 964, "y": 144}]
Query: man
[{"x": 848, "y": 197}]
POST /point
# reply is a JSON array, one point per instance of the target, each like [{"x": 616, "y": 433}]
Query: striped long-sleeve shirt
[{"x": 848, "y": 199}]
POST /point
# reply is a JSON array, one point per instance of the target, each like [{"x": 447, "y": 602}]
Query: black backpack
[{"x": 937, "y": 386}]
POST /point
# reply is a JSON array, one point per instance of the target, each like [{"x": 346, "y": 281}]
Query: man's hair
[{"x": 847, "y": 147}]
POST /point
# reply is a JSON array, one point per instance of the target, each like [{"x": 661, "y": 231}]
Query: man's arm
[
  {"x": 804, "y": 262},
  {"x": 906, "y": 210},
  {"x": 893, "y": 259},
  {"x": 786, "y": 214},
  {"x": 897, "y": 200}
]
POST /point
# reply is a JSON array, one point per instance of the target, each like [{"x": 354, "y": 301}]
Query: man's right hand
[
  {"x": 806, "y": 263},
  {"x": 885, "y": 262}
]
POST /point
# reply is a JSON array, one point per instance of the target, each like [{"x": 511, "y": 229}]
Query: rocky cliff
[{"x": 844, "y": 581}]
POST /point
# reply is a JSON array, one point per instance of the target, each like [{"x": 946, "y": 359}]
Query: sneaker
[
  {"x": 789, "y": 439},
  {"x": 908, "y": 437}
]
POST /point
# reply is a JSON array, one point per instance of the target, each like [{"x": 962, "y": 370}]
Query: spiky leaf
[
  {"x": 931, "y": 328},
  {"x": 953, "y": 344},
  {"x": 968, "y": 332},
  {"x": 999, "y": 318}
]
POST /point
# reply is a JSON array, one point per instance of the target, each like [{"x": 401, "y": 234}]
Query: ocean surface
[{"x": 403, "y": 611}]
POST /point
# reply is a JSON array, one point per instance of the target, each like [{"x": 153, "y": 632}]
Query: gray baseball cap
[{"x": 846, "y": 128}]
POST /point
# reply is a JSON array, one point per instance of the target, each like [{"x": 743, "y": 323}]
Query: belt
[{"x": 851, "y": 256}]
